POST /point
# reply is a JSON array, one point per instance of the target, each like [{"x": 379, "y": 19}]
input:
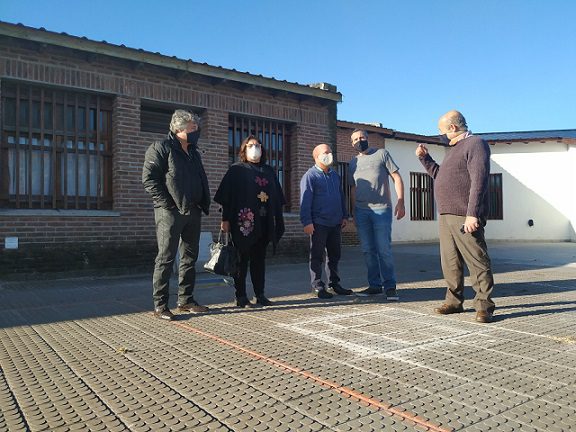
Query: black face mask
[
  {"x": 192, "y": 137},
  {"x": 361, "y": 145},
  {"x": 444, "y": 139}
]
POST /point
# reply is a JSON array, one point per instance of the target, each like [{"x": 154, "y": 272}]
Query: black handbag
[{"x": 223, "y": 256}]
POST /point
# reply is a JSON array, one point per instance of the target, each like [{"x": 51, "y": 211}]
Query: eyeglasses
[{"x": 254, "y": 145}]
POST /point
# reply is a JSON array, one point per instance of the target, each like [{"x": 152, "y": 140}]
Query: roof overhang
[
  {"x": 42, "y": 36},
  {"x": 389, "y": 133}
]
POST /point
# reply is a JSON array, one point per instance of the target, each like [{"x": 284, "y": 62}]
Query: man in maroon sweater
[{"x": 460, "y": 189}]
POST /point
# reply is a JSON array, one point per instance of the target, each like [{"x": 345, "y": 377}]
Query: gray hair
[
  {"x": 181, "y": 118},
  {"x": 458, "y": 120}
]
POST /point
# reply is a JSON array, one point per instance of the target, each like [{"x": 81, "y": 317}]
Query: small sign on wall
[{"x": 11, "y": 243}]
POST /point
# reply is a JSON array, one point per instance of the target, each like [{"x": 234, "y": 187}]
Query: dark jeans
[
  {"x": 456, "y": 249},
  {"x": 326, "y": 239},
  {"x": 173, "y": 228},
  {"x": 256, "y": 256}
]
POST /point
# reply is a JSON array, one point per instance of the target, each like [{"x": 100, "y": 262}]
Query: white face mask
[
  {"x": 326, "y": 159},
  {"x": 253, "y": 153}
]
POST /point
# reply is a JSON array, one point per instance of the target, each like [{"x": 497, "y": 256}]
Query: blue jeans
[{"x": 374, "y": 228}]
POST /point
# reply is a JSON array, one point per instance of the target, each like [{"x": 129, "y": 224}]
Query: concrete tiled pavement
[{"x": 87, "y": 354}]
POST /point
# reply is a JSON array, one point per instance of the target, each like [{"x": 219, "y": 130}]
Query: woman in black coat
[{"x": 251, "y": 198}]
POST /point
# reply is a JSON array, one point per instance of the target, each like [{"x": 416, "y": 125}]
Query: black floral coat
[{"x": 251, "y": 198}]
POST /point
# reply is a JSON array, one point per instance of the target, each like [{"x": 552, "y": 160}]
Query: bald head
[
  {"x": 320, "y": 149},
  {"x": 452, "y": 124},
  {"x": 453, "y": 118}
]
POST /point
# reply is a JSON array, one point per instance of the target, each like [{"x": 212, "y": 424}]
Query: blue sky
[{"x": 508, "y": 65}]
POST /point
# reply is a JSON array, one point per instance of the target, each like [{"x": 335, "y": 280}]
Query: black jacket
[
  {"x": 174, "y": 178},
  {"x": 239, "y": 194}
]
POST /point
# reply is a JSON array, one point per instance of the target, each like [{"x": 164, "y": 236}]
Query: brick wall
[{"x": 129, "y": 230}]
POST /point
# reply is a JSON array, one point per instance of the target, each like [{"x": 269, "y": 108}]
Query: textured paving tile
[
  {"x": 544, "y": 415},
  {"x": 499, "y": 423},
  {"x": 485, "y": 398},
  {"x": 377, "y": 422},
  {"x": 70, "y": 361},
  {"x": 445, "y": 412},
  {"x": 329, "y": 408}
]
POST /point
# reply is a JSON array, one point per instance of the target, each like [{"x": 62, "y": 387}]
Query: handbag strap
[{"x": 227, "y": 238}]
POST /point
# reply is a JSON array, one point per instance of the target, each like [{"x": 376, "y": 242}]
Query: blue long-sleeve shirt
[{"x": 321, "y": 198}]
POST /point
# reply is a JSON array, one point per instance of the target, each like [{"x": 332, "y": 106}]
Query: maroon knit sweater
[{"x": 461, "y": 182}]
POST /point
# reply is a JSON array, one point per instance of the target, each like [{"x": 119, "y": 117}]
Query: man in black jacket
[{"x": 175, "y": 178}]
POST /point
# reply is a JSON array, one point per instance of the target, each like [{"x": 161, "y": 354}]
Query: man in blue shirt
[{"x": 323, "y": 214}]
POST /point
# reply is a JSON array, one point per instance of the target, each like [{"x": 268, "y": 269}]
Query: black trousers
[
  {"x": 327, "y": 239},
  {"x": 256, "y": 258},
  {"x": 173, "y": 228}
]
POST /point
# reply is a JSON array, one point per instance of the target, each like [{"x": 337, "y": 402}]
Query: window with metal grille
[
  {"x": 56, "y": 149},
  {"x": 421, "y": 196},
  {"x": 342, "y": 169},
  {"x": 275, "y": 137},
  {"x": 155, "y": 117},
  {"x": 495, "y": 210}
]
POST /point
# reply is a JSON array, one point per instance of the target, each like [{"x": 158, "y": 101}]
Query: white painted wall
[
  {"x": 539, "y": 183},
  {"x": 572, "y": 166},
  {"x": 405, "y": 230}
]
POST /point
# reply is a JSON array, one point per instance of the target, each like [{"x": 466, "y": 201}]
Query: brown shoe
[
  {"x": 484, "y": 317},
  {"x": 164, "y": 314},
  {"x": 192, "y": 306},
  {"x": 446, "y": 309}
]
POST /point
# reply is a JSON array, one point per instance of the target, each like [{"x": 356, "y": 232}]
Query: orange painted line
[{"x": 332, "y": 385}]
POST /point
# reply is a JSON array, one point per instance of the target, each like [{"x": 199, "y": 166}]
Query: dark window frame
[
  {"x": 55, "y": 148},
  {"x": 275, "y": 137},
  {"x": 422, "y": 206},
  {"x": 155, "y": 117},
  {"x": 342, "y": 170},
  {"x": 495, "y": 210}
]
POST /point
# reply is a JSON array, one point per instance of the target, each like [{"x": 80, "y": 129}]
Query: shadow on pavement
[{"x": 417, "y": 267}]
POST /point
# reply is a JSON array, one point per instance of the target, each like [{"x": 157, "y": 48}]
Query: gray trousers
[
  {"x": 173, "y": 228},
  {"x": 457, "y": 248}
]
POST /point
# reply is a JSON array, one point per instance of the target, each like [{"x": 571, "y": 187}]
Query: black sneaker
[
  {"x": 164, "y": 314},
  {"x": 321, "y": 293},
  {"x": 263, "y": 301},
  {"x": 392, "y": 294},
  {"x": 370, "y": 291},
  {"x": 337, "y": 289},
  {"x": 243, "y": 302}
]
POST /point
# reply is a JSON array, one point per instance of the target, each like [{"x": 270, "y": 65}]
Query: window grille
[
  {"x": 275, "y": 137},
  {"x": 495, "y": 210},
  {"x": 421, "y": 196},
  {"x": 156, "y": 117},
  {"x": 56, "y": 149},
  {"x": 342, "y": 169}
]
